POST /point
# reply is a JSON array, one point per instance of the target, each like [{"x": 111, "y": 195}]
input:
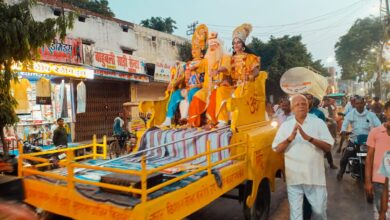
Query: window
[
  {"x": 154, "y": 38},
  {"x": 128, "y": 51},
  {"x": 57, "y": 12},
  {"x": 173, "y": 43},
  {"x": 88, "y": 42},
  {"x": 82, "y": 18},
  {"x": 125, "y": 28}
]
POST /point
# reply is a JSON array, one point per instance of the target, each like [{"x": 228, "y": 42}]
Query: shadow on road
[{"x": 345, "y": 201}]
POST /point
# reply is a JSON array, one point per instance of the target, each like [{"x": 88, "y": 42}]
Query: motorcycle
[
  {"x": 356, "y": 162},
  {"x": 53, "y": 158}
]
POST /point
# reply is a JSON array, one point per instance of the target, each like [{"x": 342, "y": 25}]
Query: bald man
[{"x": 303, "y": 139}]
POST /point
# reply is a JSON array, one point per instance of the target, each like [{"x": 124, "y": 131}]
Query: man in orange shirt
[{"x": 378, "y": 143}]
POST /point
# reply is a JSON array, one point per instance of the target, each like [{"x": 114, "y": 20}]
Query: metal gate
[{"x": 104, "y": 102}]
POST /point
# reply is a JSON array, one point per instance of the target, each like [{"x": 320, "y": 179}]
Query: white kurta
[
  {"x": 81, "y": 97},
  {"x": 304, "y": 162}
]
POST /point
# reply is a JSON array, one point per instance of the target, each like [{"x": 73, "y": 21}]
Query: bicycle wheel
[{"x": 113, "y": 150}]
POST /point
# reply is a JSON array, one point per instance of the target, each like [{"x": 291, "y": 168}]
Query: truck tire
[{"x": 261, "y": 207}]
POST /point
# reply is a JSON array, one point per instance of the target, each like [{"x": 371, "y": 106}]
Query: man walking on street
[
  {"x": 377, "y": 107},
  {"x": 378, "y": 143},
  {"x": 60, "y": 136},
  {"x": 303, "y": 139},
  {"x": 285, "y": 113}
]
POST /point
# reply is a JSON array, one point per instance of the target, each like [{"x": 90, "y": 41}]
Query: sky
[{"x": 319, "y": 22}]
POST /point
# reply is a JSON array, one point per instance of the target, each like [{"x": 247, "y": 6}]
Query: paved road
[{"x": 345, "y": 201}]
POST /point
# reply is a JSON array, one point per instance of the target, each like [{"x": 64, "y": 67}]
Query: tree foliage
[
  {"x": 20, "y": 38},
  {"x": 97, "y": 6},
  {"x": 280, "y": 54},
  {"x": 166, "y": 25},
  {"x": 355, "y": 51},
  {"x": 185, "y": 52}
]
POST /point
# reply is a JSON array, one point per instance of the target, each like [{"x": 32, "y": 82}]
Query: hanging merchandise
[
  {"x": 64, "y": 113},
  {"x": 60, "y": 98},
  {"x": 81, "y": 97},
  {"x": 43, "y": 92},
  {"x": 19, "y": 90},
  {"x": 73, "y": 99},
  {"x": 63, "y": 101}
]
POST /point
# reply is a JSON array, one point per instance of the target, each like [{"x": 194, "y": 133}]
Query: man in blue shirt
[
  {"x": 118, "y": 130},
  {"x": 361, "y": 122},
  {"x": 314, "y": 103},
  {"x": 117, "y": 127}
]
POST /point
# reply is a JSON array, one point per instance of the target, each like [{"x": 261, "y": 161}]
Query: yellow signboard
[{"x": 56, "y": 69}]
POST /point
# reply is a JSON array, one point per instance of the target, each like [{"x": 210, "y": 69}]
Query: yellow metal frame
[
  {"x": 250, "y": 152},
  {"x": 45, "y": 162},
  {"x": 235, "y": 175}
]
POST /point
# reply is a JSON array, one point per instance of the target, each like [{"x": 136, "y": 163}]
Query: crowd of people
[{"x": 308, "y": 130}]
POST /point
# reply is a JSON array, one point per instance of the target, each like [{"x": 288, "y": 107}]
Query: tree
[
  {"x": 20, "y": 38},
  {"x": 280, "y": 54},
  {"x": 166, "y": 25},
  {"x": 98, "y": 6},
  {"x": 355, "y": 51},
  {"x": 185, "y": 51}
]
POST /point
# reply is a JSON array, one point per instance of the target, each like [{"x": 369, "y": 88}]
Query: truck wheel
[{"x": 260, "y": 208}]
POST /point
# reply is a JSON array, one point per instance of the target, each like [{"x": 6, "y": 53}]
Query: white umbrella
[{"x": 299, "y": 80}]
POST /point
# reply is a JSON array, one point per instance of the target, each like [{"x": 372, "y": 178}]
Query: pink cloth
[{"x": 378, "y": 139}]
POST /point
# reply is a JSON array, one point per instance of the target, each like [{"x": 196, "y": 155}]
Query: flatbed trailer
[{"x": 246, "y": 162}]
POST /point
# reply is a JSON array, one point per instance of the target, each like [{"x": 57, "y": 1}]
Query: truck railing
[
  {"x": 46, "y": 162},
  {"x": 175, "y": 141},
  {"x": 73, "y": 167}
]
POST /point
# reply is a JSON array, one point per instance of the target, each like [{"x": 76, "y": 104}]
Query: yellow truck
[{"x": 172, "y": 173}]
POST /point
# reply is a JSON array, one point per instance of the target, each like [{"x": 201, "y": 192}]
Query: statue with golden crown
[
  {"x": 216, "y": 57},
  {"x": 191, "y": 81},
  {"x": 233, "y": 73}
]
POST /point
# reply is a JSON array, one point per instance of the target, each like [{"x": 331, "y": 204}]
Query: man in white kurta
[{"x": 303, "y": 139}]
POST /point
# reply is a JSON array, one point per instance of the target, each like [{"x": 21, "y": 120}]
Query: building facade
[{"x": 130, "y": 63}]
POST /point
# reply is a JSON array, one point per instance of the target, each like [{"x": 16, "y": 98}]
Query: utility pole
[{"x": 191, "y": 28}]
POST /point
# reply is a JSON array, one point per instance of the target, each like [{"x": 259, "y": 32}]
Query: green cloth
[{"x": 60, "y": 137}]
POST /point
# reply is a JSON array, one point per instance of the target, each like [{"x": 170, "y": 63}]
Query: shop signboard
[
  {"x": 122, "y": 75},
  {"x": 56, "y": 69},
  {"x": 67, "y": 51},
  {"x": 113, "y": 61},
  {"x": 163, "y": 71}
]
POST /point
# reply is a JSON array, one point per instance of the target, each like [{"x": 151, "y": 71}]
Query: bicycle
[{"x": 115, "y": 150}]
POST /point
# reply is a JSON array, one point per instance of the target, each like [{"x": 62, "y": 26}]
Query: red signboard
[
  {"x": 68, "y": 51},
  {"x": 114, "y": 61}
]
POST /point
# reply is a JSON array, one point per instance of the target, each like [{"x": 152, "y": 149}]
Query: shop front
[
  {"x": 45, "y": 92},
  {"x": 106, "y": 94}
]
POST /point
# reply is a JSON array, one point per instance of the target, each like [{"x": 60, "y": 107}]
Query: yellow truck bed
[{"x": 251, "y": 165}]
